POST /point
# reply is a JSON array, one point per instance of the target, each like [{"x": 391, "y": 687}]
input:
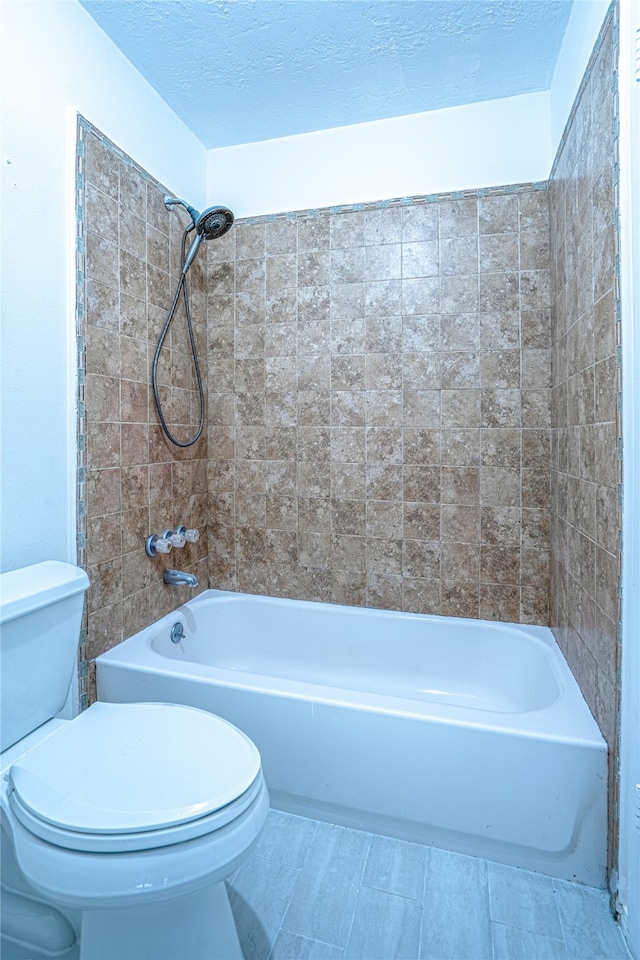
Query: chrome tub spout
[{"x": 179, "y": 577}]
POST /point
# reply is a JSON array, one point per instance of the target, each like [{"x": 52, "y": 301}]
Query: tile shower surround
[
  {"x": 379, "y": 406},
  {"x": 586, "y": 468},
  {"x": 378, "y": 403}
]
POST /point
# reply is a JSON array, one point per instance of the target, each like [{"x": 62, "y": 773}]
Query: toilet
[{"x": 119, "y": 826}]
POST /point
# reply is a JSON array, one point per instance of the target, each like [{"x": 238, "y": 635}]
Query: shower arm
[{"x": 193, "y": 213}]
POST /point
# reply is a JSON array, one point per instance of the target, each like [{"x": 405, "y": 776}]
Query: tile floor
[{"x": 314, "y": 891}]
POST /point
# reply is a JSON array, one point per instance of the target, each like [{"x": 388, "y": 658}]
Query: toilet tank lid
[{"x": 31, "y": 588}]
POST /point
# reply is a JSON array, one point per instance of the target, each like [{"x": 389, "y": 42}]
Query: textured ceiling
[{"x": 237, "y": 71}]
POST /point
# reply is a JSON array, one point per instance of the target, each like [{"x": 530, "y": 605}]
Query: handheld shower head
[
  {"x": 209, "y": 225},
  {"x": 214, "y": 222}
]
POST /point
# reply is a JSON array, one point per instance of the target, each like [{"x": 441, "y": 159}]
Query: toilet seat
[{"x": 133, "y": 777}]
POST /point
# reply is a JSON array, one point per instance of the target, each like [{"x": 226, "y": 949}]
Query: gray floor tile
[
  {"x": 512, "y": 943},
  {"x": 590, "y": 932},
  {"x": 396, "y": 867},
  {"x": 455, "y": 920},
  {"x": 291, "y": 946},
  {"x": 286, "y": 838},
  {"x": 259, "y": 896},
  {"x": 385, "y": 927},
  {"x": 321, "y": 892},
  {"x": 523, "y": 899},
  {"x": 324, "y": 900}
]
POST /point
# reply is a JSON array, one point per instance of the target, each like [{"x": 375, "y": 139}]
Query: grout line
[{"x": 360, "y": 885}]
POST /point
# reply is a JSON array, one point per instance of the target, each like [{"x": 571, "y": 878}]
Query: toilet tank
[{"x": 40, "y": 617}]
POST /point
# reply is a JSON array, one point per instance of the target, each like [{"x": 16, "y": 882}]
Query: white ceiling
[{"x": 238, "y": 71}]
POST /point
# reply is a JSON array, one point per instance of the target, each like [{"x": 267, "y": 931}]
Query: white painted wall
[
  {"x": 477, "y": 145},
  {"x": 55, "y": 62},
  {"x": 582, "y": 31}
]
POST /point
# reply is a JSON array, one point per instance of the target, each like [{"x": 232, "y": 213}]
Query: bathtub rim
[{"x": 138, "y": 654}]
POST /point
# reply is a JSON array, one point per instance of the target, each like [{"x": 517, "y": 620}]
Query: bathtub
[{"x": 465, "y": 734}]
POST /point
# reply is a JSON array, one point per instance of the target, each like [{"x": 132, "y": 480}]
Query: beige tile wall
[
  {"x": 586, "y": 469},
  {"x": 135, "y": 482},
  {"x": 379, "y": 406},
  {"x": 378, "y": 403}
]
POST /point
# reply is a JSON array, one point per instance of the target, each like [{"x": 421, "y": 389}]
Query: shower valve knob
[
  {"x": 191, "y": 536},
  {"x": 175, "y": 539},
  {"x": 156, "y": 545}
]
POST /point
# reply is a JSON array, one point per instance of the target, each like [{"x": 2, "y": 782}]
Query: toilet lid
[{"x": 135, "y": 767}]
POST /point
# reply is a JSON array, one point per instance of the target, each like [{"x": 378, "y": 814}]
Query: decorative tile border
[
  {"x": 416, "y": 200},
  {"x": 81, "y": 366}
]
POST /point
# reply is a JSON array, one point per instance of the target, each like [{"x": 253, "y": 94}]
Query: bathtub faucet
[{"x": 176, "y": 577}]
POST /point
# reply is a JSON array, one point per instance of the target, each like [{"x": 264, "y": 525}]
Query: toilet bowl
[
  {"x": 135, "y": 806},
  {"x": 124, "y": 823}
]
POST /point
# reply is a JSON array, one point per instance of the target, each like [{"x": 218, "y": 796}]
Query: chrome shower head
[
  {"x": 209, "y": 225},
  {"x": 214, "y": 222}
]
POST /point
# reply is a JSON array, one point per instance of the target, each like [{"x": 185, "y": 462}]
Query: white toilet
[{"x": 119, "y": 826}]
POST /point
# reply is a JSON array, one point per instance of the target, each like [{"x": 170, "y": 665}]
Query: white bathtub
[{"x": 466, "y": 734}]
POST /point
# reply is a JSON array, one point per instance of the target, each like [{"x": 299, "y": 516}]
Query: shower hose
[{"x": 181, "y": 289}]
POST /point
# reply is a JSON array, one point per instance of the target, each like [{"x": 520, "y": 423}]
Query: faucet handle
[
  {"x": 156, "y": 545},
  {"x": 191, "y": 536},
  {"x": 175, "y": 539}
]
